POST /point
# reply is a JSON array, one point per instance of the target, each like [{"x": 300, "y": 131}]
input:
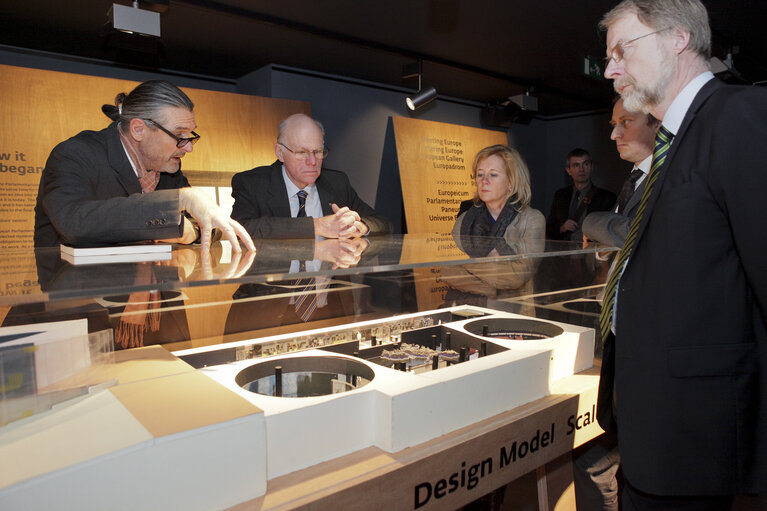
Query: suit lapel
[
  {"x": 278, "y": 202},
  {"x": 635, "y": 198},
  {"x": 697, "y": 103},
  {"x": 119, "y": 162},
  {"x": 327, "y": 196}
]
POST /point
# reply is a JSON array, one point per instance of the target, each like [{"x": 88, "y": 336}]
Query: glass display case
[
  {"x": 307, "y": 321},
  {"x": 196, "y": 299}
]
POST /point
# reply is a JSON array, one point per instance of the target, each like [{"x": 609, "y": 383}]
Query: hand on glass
[
  {"x": 210, "y": 268},
  {"x": 210, "y": 216},
  {"x": 343, "y": 253}
]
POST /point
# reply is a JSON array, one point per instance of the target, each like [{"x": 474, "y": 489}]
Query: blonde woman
[{"x": 500, "y": 208}]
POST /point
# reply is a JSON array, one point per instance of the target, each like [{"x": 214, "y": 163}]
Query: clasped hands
[{"x": 343, "y": 223}]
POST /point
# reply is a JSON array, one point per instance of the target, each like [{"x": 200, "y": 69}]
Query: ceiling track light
[{"x": 424, "y": 95}]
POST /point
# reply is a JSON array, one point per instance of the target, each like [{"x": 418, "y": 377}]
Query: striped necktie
[
  {"x": 662, "y": 144},
  {"x": 306, "y": 298},
  {"x": 301, "y": 194}
]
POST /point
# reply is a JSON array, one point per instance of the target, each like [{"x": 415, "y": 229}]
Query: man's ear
[
  {"x": 680, "y": 40},
  {"x": 278, "y": 150},
  {"x": 137, "y": 129}
]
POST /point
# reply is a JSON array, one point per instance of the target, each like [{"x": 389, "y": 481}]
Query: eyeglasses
[
  {"x": 180, "y": 141},
  {"x": 303, "y": 155},
  {"x": 617, "y": 51}
]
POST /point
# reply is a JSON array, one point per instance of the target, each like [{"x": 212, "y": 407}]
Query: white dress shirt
[{"x": 313, "y": 206}]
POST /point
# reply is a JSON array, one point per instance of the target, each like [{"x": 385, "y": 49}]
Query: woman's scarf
[{"x": 478, "y": 222}]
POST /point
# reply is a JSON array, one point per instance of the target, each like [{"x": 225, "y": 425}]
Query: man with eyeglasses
[
  {"x": 295, "y": 197},
  {"x": 684, "y": 320},
  {"x": 572, "y": 203},
  {"x": 123, "y": 184}
]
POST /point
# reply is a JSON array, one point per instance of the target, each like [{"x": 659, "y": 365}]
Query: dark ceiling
[{"x": 480, "y": 50}]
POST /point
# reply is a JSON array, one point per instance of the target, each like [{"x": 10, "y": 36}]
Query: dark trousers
[
  {"x": 636, "y": 500},
  {"x": 595, "y": 467}
]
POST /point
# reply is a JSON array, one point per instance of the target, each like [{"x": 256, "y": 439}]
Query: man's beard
[{"x": 644, "y": 98}]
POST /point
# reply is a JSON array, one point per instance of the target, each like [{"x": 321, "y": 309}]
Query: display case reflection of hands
[
  {"x": 217, "y": 264},
  {"x": 341, "y": 253}
]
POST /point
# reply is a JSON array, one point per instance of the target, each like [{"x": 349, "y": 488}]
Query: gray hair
[
  {"x": 690, "y": 15},
  {"x": 146, "y": 101},
  {"x": 285, "y": 122}
]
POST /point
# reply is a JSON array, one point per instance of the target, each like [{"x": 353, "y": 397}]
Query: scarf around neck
[{"x": 478, "y": 222}]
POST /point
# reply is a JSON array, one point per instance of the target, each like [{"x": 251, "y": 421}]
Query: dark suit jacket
[
  {"x": 612, "y": 228},
  {"x": 90, "y": 195},
  {"x": 261, "y": 203},
  {"x": 602, "y": 200},
  {"x": 690, "y": 359}
]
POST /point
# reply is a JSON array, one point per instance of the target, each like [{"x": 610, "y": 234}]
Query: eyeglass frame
[
  {"x": 180, "y": 141},
  {"x": 304, "y": 155},
  {"x": 622, "y": 45}
]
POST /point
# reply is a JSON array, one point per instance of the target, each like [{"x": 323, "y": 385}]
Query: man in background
[
  {"x": 595, "y": 464},
  {"x": 572, "y": 203}
]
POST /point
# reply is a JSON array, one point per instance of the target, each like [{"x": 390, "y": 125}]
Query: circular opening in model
[
  {"x": 304, "y": 376},
  {"x": 513, "y": 329}
]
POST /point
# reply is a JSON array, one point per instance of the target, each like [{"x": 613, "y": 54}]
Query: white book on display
[{"x": 117, "y": 253}]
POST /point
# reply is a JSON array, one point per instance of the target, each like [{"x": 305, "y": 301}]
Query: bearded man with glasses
[
  {"x": 684, "y": 319},
  {"x": 123, "y": 184},
  {"x": 295, "y": 197}
]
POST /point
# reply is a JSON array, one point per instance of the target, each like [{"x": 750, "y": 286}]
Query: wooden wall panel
[{"x": 435, "y": 169}]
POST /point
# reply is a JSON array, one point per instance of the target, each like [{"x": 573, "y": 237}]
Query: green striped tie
[{"x": 662, "y": 144}]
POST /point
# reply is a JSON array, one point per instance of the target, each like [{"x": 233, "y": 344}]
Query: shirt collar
[
  {"x": 645, "y": 164},
  {"x": 133, "y": 165},
  {"x": 678, "y": 108}
]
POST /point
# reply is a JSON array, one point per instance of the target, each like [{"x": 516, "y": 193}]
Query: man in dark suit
[
  {"x": 595, "y": 464},
  {"x": 572, "y": 203},
  {"x": 295, "y": 197},
  {"x": 634, "y": 135},
  {"x": 123, "y": 184},
  {"x": 684, "y": 376}
]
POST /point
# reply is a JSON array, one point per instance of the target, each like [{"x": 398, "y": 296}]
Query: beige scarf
[{"x": 141, "y": 313}]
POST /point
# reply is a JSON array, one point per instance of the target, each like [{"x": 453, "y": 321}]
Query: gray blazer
[{"x": 611, "y": 228}]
